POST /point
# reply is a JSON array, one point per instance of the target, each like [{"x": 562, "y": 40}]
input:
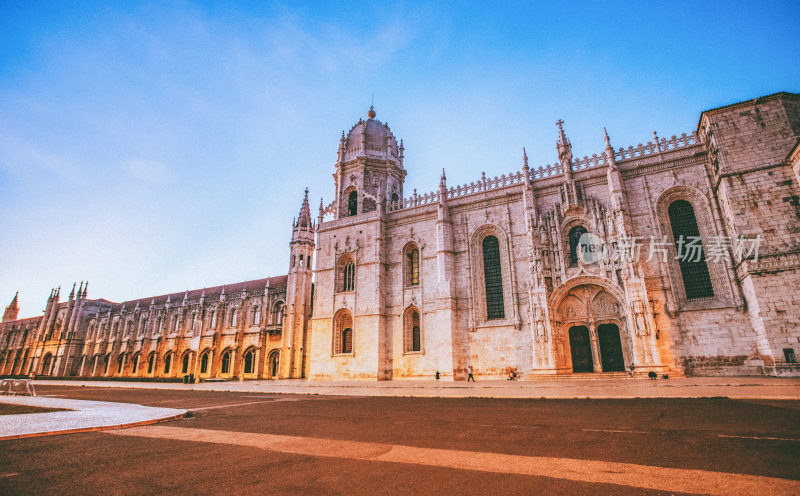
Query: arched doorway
[
  {"x": 581, "y": 349},
  {"x": 592, "y": 323},
  {"x": 610, "y": 348},
  {"x": 273, "y": 362}
]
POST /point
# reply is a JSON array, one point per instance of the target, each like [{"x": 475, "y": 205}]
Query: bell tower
[{"x": 298, "y": 295}]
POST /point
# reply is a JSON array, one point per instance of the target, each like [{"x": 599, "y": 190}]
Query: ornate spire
[
  {"x": 563, "y": 146},
  {"x": 371, "y": 114},
  {"x": 443, "y": 181},
  {"x": 304, "y": 219},
  {"x": 12, "y": 310},
  {"x": 607, "y": 139},
  {"x": 72, "y": 293},
  {"x": 609, "y": 151},
  {"x": 524, "y": 157}
]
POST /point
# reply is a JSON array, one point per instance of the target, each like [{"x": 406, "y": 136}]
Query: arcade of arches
[{"x": 591, "y": 331}]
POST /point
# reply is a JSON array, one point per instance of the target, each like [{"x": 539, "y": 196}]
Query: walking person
[
  {"x": 469, "y": 374},
  {"x": 437, "y": 376}
]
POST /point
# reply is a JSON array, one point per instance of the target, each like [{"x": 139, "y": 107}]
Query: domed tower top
[{"x": 372, "y": 139}]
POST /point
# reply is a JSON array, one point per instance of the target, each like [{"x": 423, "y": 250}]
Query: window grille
[
  {"x": 352, "y": 203},
  {"x": 343, "y": 334},
  {"x": 349, "y": 277},
  {"x": 493, "y": 279},
  {"x": 694, "y": 269},
  {"x": 413, "y": 267}
]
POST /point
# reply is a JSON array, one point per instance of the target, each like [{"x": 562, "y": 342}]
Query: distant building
[{"x": 681, "y": 255}]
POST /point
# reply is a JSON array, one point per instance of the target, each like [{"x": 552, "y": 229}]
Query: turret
[{"x": 12, "y": 310}]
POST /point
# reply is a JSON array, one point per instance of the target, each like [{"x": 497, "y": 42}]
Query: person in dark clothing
[{"x": 469, "y": 374}]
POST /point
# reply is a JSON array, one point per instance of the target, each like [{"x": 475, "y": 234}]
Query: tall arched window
[
  {"x": 574, "y": 238},
  {"x": 689, "y": 246},
  {"x": 343, "y": 332},
  {"x": 493, "y": 279},
  {"x": 412, "y": 266},
  {"x": 226, "y": 362},
  {"x": 185, "y": 364},
  {"x": 249, "y": 360},
  {"x": 135, "y": 364},
  {"x": 352, "y": 203},
  {"x": 167, "y": 363},
  {"x": 346, "y": 274},
  {"x": 151, "y": 363},
  {"x": 412, "y": 340},
  {"x": 256, "y": 315}
]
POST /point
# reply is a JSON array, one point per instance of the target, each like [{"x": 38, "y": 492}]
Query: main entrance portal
[
  {"x": 581, "y": 349},
  {"x": 610, "y": 348},
  {"x": 592, "y": 321}
]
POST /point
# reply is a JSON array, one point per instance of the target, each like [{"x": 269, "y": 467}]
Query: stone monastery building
[{"x": 678, "y": 256}]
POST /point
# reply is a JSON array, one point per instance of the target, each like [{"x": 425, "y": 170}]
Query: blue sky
[{"x": 158, "y": 146}]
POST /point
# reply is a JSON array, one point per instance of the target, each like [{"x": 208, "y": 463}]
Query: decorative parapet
[
  {"x": 770, "y": 263},
  {"x": 484, "y": 184},
  {"x": 657, "y": 146}
]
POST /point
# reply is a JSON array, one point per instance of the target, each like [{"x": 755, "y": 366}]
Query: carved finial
[
  {"x": 371, "y": 114},
  {"x": 72, "y": 293},
  {"x": 606, "y": 138},
  {"x": 524, "y": 157},
  {"x": 443, "y": 181},
  {"x": 85, "y": 288}
]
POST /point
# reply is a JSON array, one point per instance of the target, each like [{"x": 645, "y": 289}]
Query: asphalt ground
[{"x": 760, "y": 438}]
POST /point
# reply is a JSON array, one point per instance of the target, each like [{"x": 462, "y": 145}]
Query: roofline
[{"x": 744, "y": 102}]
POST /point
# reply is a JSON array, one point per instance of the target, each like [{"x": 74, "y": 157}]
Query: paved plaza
[{"x": 236, "y": 442}]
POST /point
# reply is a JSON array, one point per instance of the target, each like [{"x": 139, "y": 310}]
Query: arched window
[
  {"x": 412, "y": 265},
  {"x": 412, "y": 333},
  {"x": 151, "y": 363},
  {"x": 689, "y": 246},
  {"x": 256, "y": 315},
  {"x": 249, "y": 360},
  {"x": 234, "y": 317},
  {"x": 213, "y": 319},
  {"x": 277, "y": 313},
  {"x": 346, "y": 274},
  {"x": 135, "y": 364},
  {"x": 493, "y": 279},
  {"x": 574, "y": 238},
  {"x": 226, "y": 362},
  {"x": 352, "y": 203},
  {"x": 343, "y": 332},
  {"x": 185, "y": 364},
  {"x": 120, "y": 363},
  {"x": 204, "y": 363},
  {"x": 167, "y": 363}
]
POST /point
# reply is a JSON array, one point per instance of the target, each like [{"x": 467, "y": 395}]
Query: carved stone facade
[
  {"x": 247, "y": 330},
  {"x": 526, "y": 301},
  {"x": 632, "y": 257}
]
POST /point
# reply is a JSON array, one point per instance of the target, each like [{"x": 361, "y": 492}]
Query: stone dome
[{"x": 380, "y": 142}]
